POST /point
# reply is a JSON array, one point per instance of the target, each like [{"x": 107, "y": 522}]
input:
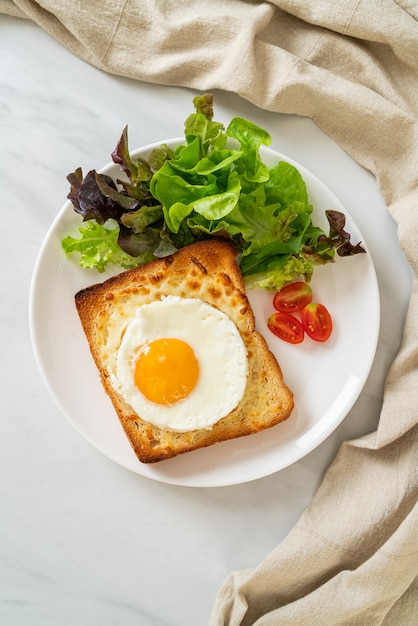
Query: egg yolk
[{"x": 166, "y": 370}]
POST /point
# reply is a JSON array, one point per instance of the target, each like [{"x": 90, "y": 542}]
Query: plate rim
[{"x": 149, "y": 470}]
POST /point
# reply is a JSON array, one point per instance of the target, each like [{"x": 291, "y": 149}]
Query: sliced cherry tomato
[
  {"x": 286, "y": 327},
  {"x": 292, "y": 297},
  {"x": 317, "y": 321}
]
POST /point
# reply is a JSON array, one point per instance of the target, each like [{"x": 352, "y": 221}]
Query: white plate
[{"x": 326, "y": 378}]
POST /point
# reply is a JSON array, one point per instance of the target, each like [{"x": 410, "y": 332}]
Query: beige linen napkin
[{"x": 352, "y": 559}]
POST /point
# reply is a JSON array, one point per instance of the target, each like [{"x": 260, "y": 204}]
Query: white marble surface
[{"x": 83, "y": 541}]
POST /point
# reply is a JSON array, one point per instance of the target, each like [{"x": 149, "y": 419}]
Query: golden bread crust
[{"x": 207, "y": 270}]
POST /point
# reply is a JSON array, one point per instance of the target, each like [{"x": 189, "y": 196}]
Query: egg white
[{"x": 218, "y": 347}]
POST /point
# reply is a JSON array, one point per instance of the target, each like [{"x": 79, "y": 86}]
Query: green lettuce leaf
[
  {"x": 213, "y": 185},
  {"x": 98, "y": 247},
  {"x": 285, "y": 186},
  {"x": 250, "y": 138},
  {"x": 201, "y": 125},
  {"x": 281, "y": 271}
]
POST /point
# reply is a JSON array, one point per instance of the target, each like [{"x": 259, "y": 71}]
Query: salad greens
[{"x": 213, "y": 185}]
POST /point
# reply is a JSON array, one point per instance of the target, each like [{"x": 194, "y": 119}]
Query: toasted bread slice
[{"x": 207, "y": 270}]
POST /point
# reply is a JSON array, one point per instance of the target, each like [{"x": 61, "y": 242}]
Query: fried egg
[{"x": 182, "y": 364}]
